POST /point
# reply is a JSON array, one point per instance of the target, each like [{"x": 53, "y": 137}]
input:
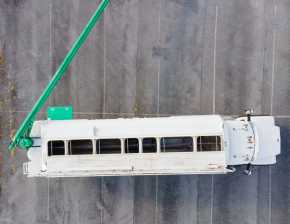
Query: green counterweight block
[{"x": 60, "y": 113}]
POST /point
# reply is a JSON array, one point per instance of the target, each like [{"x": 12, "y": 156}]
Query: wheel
[
  {"x": 231, "y": 168},
  {"x": 248, "y": 172}
]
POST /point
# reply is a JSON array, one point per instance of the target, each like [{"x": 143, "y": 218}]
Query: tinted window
[
  {"x": 78, "y": 147},
  {"x": 176, "y": 144},
  {"x": 108, "y": 146},
  {"x": 131, "y": 145},
  {"x": 55, "y": 148},
  {"x": 149, "y": 145},
  {"x": 208, "y": 143}
]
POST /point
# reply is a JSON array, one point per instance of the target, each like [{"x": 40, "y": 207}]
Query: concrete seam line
[{"x": 214, "y": 59}]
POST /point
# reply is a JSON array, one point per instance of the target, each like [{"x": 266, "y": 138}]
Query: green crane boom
[{"x": 21, "y": 138}]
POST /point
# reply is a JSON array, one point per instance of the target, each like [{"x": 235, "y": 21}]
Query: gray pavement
[{"x": 147, "y": 58}]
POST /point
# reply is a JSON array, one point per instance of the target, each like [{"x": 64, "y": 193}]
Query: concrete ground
[{"x": 147, "y": 58}]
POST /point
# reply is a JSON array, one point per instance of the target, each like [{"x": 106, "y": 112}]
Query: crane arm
[{"x": 21, "y": 137}]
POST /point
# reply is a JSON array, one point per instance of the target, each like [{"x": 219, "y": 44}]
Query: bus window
[
  {"x": 208, "y": 143},
  {"x": 149, "y": 145},
  {"x": 79, "y": 147},
  {"x": 131, "y": 145},
  {"x": 108, "y": 146},
  {"x": 176, "y": 144},
  {"x": 55, "y": 148}
]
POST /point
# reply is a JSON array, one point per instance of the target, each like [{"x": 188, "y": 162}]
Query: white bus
[{"x": 206, "y": 144}]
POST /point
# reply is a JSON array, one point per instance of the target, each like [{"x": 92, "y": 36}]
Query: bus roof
[{"x": 201, "y": 125}]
